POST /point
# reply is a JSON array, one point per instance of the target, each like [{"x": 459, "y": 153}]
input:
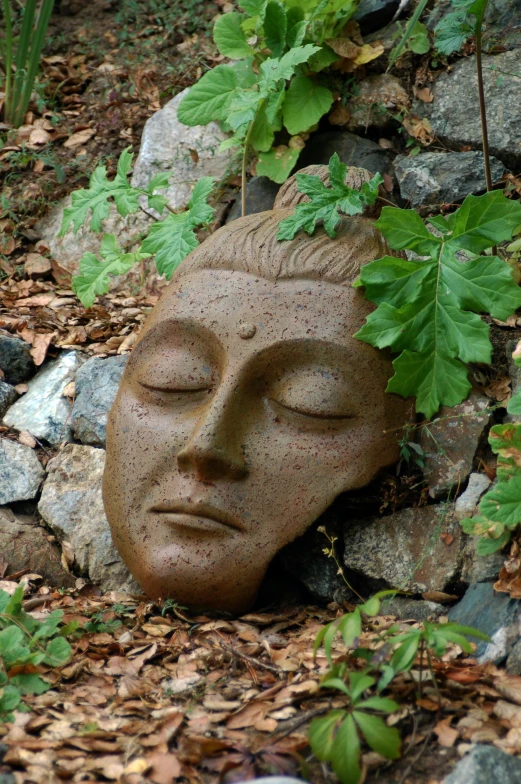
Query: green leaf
[
  {"x": 486, "y": 546},
  {"x": 383, "y": 704},
  {"x": 275, "y": 69},
  {"x": 381, "y": 738},
  {"x": 403, "y": 657},
  {"x": 262, "y": 134},
  {"x": 30, "y": 683},
  {"x": 199, "y": 211},
  {"x": 345, "y": 753},
  {"x": 358, "y": 683},
  {"x": 451, "y": 32},
  {"x": 57, "y": 652},
  {"x": 296, "y": 34},
  {"x": 323, "y": 59},
  {"x": 322, "y": 732},
  {"x": 10, "y": 699},
  {"x": 254, "y": 7},
  {"x": 229, "y": 36},
  {"x": 484, "y": 221},
  {"x": 419, "y": 41},
  {"x": 503, "y": 503},
  {"x": 278, "y": 163},
  {"x": 11, "y": 640},
  {"x": 350, "y": 627},
  {"x": 306, "y": 102},
  {"x": 94, "y": 275},
  {"x": 514, "y": 404},
  {"x": 275, "y": 27},
  {"x": 210, "y": 98},
  {"x": 405, "y": 229}
]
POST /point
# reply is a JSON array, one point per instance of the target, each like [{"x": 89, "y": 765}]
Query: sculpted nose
[{"x": 214, "y": 451}]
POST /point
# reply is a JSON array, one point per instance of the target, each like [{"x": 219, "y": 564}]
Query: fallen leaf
[
  {"x": 80, "y": 137},
  {"x": 423, "y": 94},
  {"x": 40, "y": 346},
  {"x": 439, "y": 596},
  {"x": 508, "y": 686},
  {"x": 369, "y": 52},
  {"x": 26, "y": 439},
  {"x": 446, "y": 734}
]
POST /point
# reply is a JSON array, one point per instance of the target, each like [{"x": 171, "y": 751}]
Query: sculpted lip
[{"x": 202, "y": 510}]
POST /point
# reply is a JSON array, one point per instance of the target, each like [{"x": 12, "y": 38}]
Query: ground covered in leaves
[{"x": 155, "y": 694}]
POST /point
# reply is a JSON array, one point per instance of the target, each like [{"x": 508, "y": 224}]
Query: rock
[
  {"x": 26, "y": 545},
  {"x": 451, "y": 441},
  {"x": 68, "y": 250},
  {"x": 513, "y": 664},
  {"x": 412, "y": 609},
  {"x": 479, "y": 568},
  {"x": 20, "y": 472},
  {"x": 36, "y": 265},
  {"x": 43, "y": 410},
  {"x": 71, "y": 504},
  {"x": 16, "y": 361},
  {"x": 8, "y": 395},
  {"x": 378, "y": 96},
  {"x": 97, "y": 383},
  {"x": 189, "y": 153},
  {"x": 428, "y": 541},
  {"x": 484, "y": 765},
  {"x": 260, "y": 196},
  {"x": 466, "y": 505},
  {"x": 438, "y": 178},
  {"x": 352, "y": 150},
  {"x": 503, "y": 21},
  {"x": 453, "y": 113},
  {"x": 275, "y": 780},
  {"x": 372, "y": 15},
  {"x": 493, "y": 613}
]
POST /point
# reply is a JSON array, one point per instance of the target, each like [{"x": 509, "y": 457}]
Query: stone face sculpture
[{"x": 246, "y": 408}]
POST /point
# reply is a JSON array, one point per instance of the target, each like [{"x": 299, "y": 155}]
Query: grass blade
[{"x": 408, "y": 30}]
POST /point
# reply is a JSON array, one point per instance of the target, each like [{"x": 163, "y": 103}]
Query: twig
[{"x": 250, "y": 659}]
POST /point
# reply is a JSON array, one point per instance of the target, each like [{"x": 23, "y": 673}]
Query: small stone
[
  {"x": 43, "y": 410},
  {"x": 453, "y": 114},
  {"x": 492, "y": 613},
  {"x": 97, "y": 383},
  {"x": 72, "y": 505},
  {"x": 378, "y": 97},
  {"x": 451, "y": 441},
  {"x": 479, "y": 568},
  {"x": 513, "y": 664},
  {"x": 15, "y": 359},
  {"x": 438, "y": 178},
  {"x": 20, "y": 472},
  {"x": 8, "y": 395},
  {"x": 37, "y": 266},
  {"x": 26, "y": 545},
  {"x": 428, "y": 541},
  {"x": 411, "y": 609},
  {"x": 260, "y": 196},
  {"x": 484, "y": 765},
  {"x": 373, "y": 15},
  {"x": 466, "y": 504}
]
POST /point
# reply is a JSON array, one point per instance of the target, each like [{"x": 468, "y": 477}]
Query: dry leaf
[
  {"x": 26, "y": 439},
  {"x": 508, "y": 686},
  {"x": 446, "y": 734},
  {"x": 369, "y": 52},
  {"x": 40, "y": 346},
  {"x": 423, "y": 94},
  {"x": 80, "y": 137},
  {"x": 439, "y": 596}
]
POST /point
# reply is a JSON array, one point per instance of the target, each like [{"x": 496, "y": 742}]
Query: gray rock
[
  {"x": 8, "y": 395},
  {"x": 97, "y": 383},
  {"x": 466, "y": 505},
  {"x": 451, "y": 441},
  {"x": 43, "y": 410},
  {"x": 27, "y": 545},
  {"x": 260, "y": 196},
  {"x": 372, "y": 15},
  {"x": 428, "y": 541},
  {"x": 479, "y": 568},
  {"x": 71, "y": 504},
  {"x": 453, "y": 114},
  {"x": 513, "y": 664},
  {"x": 503, "y": 22},
  {"x": 20, "y": 472},
  {"x": 443, "y": 178},
  {"x": 412, "y": 609},
  {"x": 168, "y": 145},
  {"x": 484, "y": 765},
  {"x": 352, "y": 150},
  {"x": 15, "y": 359},
  {"x": 493, "y": 613}
]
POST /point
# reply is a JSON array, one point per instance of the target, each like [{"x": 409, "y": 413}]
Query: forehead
[{"x": 222, "y": 300}]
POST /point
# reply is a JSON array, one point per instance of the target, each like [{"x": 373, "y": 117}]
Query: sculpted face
[{"x": 245, "y": 410}]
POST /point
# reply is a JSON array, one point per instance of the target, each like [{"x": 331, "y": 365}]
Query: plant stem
[
  {"x": 244, "y": 163},
  {"x": 434, "y": 681},
  {"x": 8, "y": 56},
  {"x": 482, "y": 106}
]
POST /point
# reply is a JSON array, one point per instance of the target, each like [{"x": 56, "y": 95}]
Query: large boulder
[
  {"x": 16, "y": 361},
  {"x": 415, "y": 550},
  {"x": 20, "y": 472},
  {"x": 97, "y": 383},
  {"x": 438, "y": 178},
  {"x": 43, "y": 410},
  {"x": 486, "y": 765},
  {"x": 72, "y": 506},
  {"x": 454, "y": 114}
]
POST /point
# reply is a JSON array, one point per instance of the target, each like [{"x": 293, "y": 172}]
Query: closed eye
[
  {"x": 311, "y": 414},
  {"x": 184, "y": 390}
]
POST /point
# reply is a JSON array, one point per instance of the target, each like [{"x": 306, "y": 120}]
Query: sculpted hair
[{"x": 250, "y": 244}]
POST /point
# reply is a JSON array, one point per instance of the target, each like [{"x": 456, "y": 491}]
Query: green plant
[
  {"x": 18, "y": 83},
  {"x": 26, "y": 643},
  {"x": 335, "y": 738},
  {"x": 416, "y": 40},
  {"x": 281, "y": 48},
  {"x": 170, "y": 239}
]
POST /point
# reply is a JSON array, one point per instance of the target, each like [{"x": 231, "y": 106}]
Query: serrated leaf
[
  {"x": 381, "y": 738},
  {"x": 254, "y": 7},
  {"x": 10, "y": 699},
  {"x": 484, "y": 221},
  {"x": 278, "y": 162},
  {"x": 199, "y": 211},
  {"x": 405, "y": 229},
  {"x": 451, "y": 32},
  {"x": 30, "y": 683},
  {"x": 323, "y": 59},
  {"x": 306, "y": 102},
  {"x": 170, "y": 241},
  {"x": 229, "y": 37},
  {"x": 275, "y": 69},
  {"x": 94, "y": 275},
  {"x": 322, "y": 733},
  {"x": 57, "y": 652},
  {"x": 209, "y": 98},
  {"x": 275, "y": 27}
]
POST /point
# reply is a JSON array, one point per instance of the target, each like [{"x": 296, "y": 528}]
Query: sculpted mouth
[{"x": 199, "y": 515}]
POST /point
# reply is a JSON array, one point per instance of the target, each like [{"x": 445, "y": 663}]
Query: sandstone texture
[{"x": 72, "y": 506}]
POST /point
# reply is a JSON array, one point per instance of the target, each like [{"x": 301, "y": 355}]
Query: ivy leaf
[
  {"x": 278, "y": 162},
  {"x": 209, "y": 98},
  {"x": 326, "y": 203},
  {"x": 306, "y": 102},
  {"x": 94, "y": 274},
  {"x": 229, "y": 37}
]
